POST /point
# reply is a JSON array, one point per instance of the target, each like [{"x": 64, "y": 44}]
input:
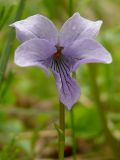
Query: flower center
[{"x": 58, "y": 54}]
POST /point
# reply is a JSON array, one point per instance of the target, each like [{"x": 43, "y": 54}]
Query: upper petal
[
  {"x": 36, "y": 26},
  {"x": 35, "y": 52},
  {"x": 77, "y": 27},
  {"x": 87, "y": 51}
]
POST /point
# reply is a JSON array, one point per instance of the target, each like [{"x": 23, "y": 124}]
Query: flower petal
[
  {"x": 86, "y": 51},
  {"x": 77, "y": 27},
  {"x": 35, "y": 52},
  {"x": 69, "y": 91},
  {"x": 36, "y": 26}
]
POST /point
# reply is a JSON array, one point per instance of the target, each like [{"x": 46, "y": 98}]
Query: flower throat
[{"x": 58, "y": 54}]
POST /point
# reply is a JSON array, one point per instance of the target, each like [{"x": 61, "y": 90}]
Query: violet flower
[{"x": 62, "y": 52}]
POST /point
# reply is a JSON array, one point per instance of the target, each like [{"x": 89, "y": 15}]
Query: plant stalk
[
  {"x": 73, "y": 134},
  {"x": 61, "y": 132}
]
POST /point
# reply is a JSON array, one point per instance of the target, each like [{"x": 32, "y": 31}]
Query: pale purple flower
[{"x": 62, "y": 52}]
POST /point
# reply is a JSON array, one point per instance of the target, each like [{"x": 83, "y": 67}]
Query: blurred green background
[{"x": 29, "y": 99}]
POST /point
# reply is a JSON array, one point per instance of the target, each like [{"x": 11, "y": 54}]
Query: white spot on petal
[{"x": 74, "y": 28}]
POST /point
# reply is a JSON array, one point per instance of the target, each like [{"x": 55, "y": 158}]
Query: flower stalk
[
  {"x": 61, "y": 132},
  {"x": 73, "y": 134}
]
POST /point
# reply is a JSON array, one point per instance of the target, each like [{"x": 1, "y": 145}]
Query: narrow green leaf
[
  {"x": 8, "y": 45},
  {"x": 6, "y": 16}
]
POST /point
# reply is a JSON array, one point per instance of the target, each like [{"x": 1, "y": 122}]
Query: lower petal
[{"x": 69, "y": 91}]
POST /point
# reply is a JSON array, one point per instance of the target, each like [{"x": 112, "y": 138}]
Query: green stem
[
  {"x": 73, "y": 134},
  {"x": 62, "y": 132},
  {"x": 6, "y": 51},
  {"x": 70, "y": 9},
  {"x": 113, "y": 143}
]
